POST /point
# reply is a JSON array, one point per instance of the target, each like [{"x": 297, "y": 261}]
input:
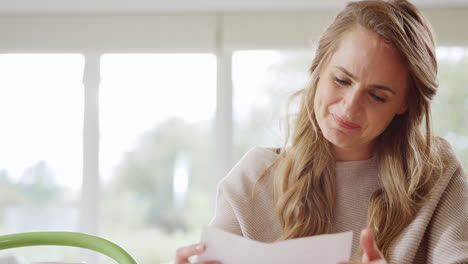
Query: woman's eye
[
  {"x": 380, "y": 99},
  {"x": 341, "y": 82}
]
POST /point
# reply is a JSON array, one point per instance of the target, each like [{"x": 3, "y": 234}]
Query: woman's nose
[{"x": 352, "y": 102}]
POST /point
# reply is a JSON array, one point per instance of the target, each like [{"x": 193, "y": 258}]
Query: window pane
[
  {"x": 41, "y": 113},
  {"x": 263, "y": 80},
  {"x": 156, "y": 150},
  {"x": 451, "y": 102}
]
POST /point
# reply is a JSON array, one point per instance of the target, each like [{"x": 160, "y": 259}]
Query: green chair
[{"x": 72, "y": 239}]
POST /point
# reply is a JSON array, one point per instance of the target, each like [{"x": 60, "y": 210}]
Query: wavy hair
[{"x": 406, "y": 150}]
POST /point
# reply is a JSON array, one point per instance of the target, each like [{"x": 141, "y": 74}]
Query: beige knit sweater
[{"x": 438, "y": 233}]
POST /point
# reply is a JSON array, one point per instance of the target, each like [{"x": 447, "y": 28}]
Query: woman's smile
[{"x": 345, "y": 124}]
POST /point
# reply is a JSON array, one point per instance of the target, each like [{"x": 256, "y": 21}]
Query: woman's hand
[
  {"x": 184, "y": 253},
  {"x": 372, "y": 254}
]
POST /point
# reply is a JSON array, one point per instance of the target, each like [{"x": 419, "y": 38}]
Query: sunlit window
[
  {"x": 157, "y": 150},
  {"x": 451, "y": 102},
  {"x": 156, "y": 138},
  {"x": 41, "y": 121},
  {"x": 263, "y": 80}
]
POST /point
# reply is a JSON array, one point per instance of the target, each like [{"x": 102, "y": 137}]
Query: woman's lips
[{"x": 345, "y": 124}]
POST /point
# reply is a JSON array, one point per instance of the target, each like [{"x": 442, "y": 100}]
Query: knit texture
[{"x": 437, "y": 234}]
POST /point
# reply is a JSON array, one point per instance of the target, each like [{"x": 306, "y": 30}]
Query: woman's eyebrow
[
  {"x": 382, "y": 88},
  {"x": 345, "y": 71},
  {"x": 376, "y": 86}
]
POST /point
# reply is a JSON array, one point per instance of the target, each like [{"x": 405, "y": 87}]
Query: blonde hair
[{"x": 407, "y": 159}]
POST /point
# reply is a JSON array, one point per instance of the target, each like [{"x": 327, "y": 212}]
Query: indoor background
[{"x": 118, "y": 118}]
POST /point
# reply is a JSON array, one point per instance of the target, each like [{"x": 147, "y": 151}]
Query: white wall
[{"x": 189, "y": 33}]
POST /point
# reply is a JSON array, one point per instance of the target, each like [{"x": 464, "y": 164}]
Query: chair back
[{"x": 73, "y": 239}]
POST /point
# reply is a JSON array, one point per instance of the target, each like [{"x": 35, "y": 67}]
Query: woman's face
[{"x": 360, "y": 90}]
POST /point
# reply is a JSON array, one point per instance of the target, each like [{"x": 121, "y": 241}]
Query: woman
[{"x": 359, "y": 157}]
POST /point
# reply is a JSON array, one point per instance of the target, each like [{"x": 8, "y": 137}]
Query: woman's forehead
[{"x": 367, "y": 56}]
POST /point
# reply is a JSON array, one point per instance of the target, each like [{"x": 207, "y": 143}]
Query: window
[
  {"x": 263, "y": 80},
  {"x": 157, "y": 112},
  {"x": 156, "y": 138},
  {"x": 451, "y": 102},
  {"x": 41, "y": 119}
]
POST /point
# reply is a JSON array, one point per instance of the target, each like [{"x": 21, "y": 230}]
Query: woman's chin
[{"x": 340, "y": 138}]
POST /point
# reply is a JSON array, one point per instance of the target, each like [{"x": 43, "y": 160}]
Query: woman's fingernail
[{"x": 199, "y": 247}]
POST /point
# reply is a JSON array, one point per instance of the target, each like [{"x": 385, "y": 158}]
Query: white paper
[{"x": 232, "y": 249}]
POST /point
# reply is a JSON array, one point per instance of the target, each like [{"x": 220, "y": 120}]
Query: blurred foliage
[
  {"x": 149, "y": 245},
  {"x": 10, "y": 193},
  {"x": 139, "y": 209},
  {"x": 154, "y": 244},
  {"x": 451, "y": 105},
  {"x": 151, "y": 225},
  {"x": 36, "y": 186},
  {"x": 265, "y": 124},
  {"x": 143, "y": 182}
]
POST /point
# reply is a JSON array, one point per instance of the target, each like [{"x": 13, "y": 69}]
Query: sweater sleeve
[
  {"x": 224, "y": 215},
  {"x": 448, "y": 237}
]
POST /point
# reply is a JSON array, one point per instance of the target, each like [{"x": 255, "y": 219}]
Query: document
[{"x": 233, "y": 249}]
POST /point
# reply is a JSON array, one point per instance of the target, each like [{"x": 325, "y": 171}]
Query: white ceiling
[{"x": 183, "y": 6}]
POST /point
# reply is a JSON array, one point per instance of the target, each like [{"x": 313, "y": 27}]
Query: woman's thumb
[{"x": 371, "y": 252}]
